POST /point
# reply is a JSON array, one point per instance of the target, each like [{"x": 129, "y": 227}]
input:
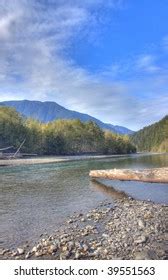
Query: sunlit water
[{"x": 36, "y": 199}]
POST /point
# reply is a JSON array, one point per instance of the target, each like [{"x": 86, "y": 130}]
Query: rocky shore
[{"x": 129, "y": 230}]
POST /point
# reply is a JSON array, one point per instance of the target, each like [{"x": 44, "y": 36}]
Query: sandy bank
[{"x": 43, "y": 160}]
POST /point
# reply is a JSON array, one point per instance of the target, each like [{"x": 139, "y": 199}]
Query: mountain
[
  {"x": 153, "y": 138},
  {"x": 49, "y": 111}
]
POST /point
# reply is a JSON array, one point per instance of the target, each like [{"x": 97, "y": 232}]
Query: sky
[{"x": 107, "y": 58}]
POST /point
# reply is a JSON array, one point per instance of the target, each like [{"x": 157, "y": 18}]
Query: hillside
[
  {"x": 153, "y": 138},
  {"x": 60, "y": 137},
  {"x": 49, "y": 111}
]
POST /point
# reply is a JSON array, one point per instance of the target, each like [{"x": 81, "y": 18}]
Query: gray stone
[
  {"x": 141, "y": 239},
  {"x": 3, "y": 251},
  {"x": 28, "y": 255},
  {"x": 20, "y": 251},
  {"x": 39, "y": 254},
  {"x": 64, "y": 256},
  {"x": 77, "y": 255},
  {"x": 141, "y": 224},
  {"x": 52, "y": 249},
  {"x": 85, "y": 248},
  {"x": 34, "y": 249}
]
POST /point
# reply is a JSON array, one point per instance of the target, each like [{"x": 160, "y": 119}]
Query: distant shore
[
  {"x": 57, "y": 159},
  {"x": 53, "y": 159}
]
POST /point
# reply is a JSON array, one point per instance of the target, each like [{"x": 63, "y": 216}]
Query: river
[{"x": 38, "y": 198}]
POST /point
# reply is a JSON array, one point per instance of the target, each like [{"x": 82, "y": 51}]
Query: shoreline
[
  {"x": 60, "y": 159},
  {"x": 56, "y": 159},
  {"x": 130, "y": 229}
]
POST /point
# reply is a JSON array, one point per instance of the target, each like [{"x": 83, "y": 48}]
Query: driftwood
[
  {"x": 7, "y": 148},
  {"x": 15, "y": 154},
  {"x": 154, "y": 175}
]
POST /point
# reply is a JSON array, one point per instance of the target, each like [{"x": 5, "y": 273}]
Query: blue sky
[{"x": 105, "y": 58}]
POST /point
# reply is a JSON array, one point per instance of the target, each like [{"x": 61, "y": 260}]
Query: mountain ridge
[{"x": 48, "y": 111}]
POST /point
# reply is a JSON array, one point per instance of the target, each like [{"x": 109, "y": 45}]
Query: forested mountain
[
  {"x": 50, "y": 111},
  {"x": 60, "y": 137},
  {"x": 153, "y": 138}
]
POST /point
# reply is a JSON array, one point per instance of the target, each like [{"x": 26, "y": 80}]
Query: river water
[{"x": 36, "y": 199}]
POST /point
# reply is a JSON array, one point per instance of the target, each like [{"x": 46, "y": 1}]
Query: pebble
[
  {"x": 34, "y": 249},
  {"x": 3, "y": 251},
  {"x": 141, "y": 224},
  {"x": 70, "y": 221},
  {"x": 52, "y": 249},
  {"x": 140, "y": 240},
  {"x": 39, "y": 254},
  {"x": 28, "y": 255},
  {"x": 20, "y": 251}
]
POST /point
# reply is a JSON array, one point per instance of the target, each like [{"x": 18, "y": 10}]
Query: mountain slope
[
  {"x": 153, "y": 138},
  {"x": 49, "y": 111}
]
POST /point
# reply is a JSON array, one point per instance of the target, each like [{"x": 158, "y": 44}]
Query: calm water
[{"x": 35, "y": 199}]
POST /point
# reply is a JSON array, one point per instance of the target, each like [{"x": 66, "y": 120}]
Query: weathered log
[{"x": 153, "y": 175}]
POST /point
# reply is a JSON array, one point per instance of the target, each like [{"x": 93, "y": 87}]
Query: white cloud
[{"x": 147, "y": 63}]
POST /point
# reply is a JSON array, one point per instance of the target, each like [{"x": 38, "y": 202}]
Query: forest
[
  {"x": 59, "y": 137},
  {"x": 153, "y": 138}
]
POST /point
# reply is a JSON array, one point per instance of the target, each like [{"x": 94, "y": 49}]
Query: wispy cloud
[
  {"x": 165, "y": 43},
  {"x": 34, "y": 37},
  {"x": 147, "y": 63}
]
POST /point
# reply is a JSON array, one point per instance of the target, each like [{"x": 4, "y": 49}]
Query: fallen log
[{"x": 153, "y": 175}]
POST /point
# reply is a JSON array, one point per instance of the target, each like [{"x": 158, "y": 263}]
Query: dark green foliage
[
  {"x": 60, "y": 137},
  {"x": 117, "y": 144},
  {"x": 153, "y": 138}
]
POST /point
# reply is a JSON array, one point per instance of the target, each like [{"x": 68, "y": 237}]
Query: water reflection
[{"x": 108, "y": 190}]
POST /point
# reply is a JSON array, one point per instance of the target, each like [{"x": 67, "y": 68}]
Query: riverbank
[
  {"x": 129, "y": 229},
  {"x": 57, "y": 159}
]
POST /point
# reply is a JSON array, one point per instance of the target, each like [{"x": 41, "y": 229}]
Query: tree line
[
  {"x": 60, "y": 137},
  {"x": 153, "y": 138}
]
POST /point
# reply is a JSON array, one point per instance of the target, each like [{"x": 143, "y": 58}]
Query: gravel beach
[{"x": 130, "y": 229}]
